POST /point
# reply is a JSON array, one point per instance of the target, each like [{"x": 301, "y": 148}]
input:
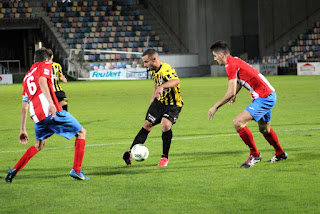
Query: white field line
[{"x": 183, "y": 138}]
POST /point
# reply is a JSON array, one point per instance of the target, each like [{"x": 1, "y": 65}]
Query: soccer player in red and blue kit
[
  {"x": 241, "y": 74},
  {"x": 47, "y": 114}
]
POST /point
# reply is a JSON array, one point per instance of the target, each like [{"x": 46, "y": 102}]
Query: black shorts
[
  {"x": 61, "y": 96},
  {"x": 157, "y": 111}
]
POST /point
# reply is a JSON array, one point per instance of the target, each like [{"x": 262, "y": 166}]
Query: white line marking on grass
[{"x": 183, "y": 138}]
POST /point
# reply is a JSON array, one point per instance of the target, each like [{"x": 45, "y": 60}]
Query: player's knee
[
  {"x": 82, "y": 134},
  {"x": 40, "y": 145},
  {"x": 37, "y": 147},
  {"x": 263, "y": 130},
  {"x": 237, "y": 123},
  {"x": 166, "y": 126},
  {"x": 148, "y": 126}
]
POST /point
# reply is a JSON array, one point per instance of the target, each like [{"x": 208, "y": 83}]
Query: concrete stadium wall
[
  {"x": 255, "y": 26},
  {"x": 282, "y": 20},
  {"x": 198, "y": 23},
  {"x": 186, "y": 65}
]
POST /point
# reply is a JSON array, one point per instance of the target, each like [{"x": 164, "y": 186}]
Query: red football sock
[
  {"x": 247, "y": 137},
  {"x": 78, "y": 154},
  {"x": 272, "y": 138},
  {"x": 25, "y": 158}
]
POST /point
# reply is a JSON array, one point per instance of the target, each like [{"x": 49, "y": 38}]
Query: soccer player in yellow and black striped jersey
[
  {"x": 57, "y": 75},
  {"x": 166, "y": 104}
]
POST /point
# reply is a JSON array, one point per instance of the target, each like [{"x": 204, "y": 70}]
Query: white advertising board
[
  {"x": 6, "y": 79},
  {"x": 308, "y": 68},
  {"x": 119, "y": 74}
]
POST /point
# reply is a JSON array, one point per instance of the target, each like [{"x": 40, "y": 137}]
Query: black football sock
[
  {"x": 166, "y": 138},
  {"x": 141, "y": 137},
  {"x": 65, "y": 107}
]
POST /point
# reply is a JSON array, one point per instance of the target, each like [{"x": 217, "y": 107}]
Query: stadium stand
[
  {"x": 306, "y": 47},
  {"x": 106, "y": 25},
  {"x": 16, "y": 10}
]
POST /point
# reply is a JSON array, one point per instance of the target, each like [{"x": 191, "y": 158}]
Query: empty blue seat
[
  {"x": 124, "y": 64},
  {"x": 102, "y": 57}
]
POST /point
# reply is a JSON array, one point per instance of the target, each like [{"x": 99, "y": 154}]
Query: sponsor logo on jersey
[{"x": 46, "y": 71}]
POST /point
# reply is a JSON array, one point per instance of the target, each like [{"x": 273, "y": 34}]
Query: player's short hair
[
  {"x": 150, "y": 53},
  {"x": 50, "y": 52},
  {"x": 42, "y": 54},
  {"x": 220, "y": 46}
]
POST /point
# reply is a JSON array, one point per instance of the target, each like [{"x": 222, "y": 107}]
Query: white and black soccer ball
[{"x": 139, "y": 152}]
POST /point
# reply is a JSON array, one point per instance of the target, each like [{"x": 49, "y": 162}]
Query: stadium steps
[
  {"x": 41, "y": 13},
  {"x": 59, "y": 44},
  {"x": 291, "y": 34},
  {"x": 166, "y": 35}
]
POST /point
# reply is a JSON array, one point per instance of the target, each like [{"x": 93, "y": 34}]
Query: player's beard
[{"x": 152, "y": 67}]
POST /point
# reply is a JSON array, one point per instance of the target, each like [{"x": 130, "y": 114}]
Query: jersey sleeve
[
  {"x": 45, "y": 70},
  {"x": 57, "y": 68},
  {"x": 231, "y": 71},
  {"x": 170, "y": 74},
  {"x": 60, "y": 70}
]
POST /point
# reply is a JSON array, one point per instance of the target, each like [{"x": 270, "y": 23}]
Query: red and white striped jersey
[
  {"x": 248, "y": 77},
  {"x": 39, "y": 105}
]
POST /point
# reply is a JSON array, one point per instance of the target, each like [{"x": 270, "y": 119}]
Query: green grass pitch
[{"x": 204, "y": 174}]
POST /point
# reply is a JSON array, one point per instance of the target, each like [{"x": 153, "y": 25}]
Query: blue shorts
[
  {"x": 63, "y": 124},
  {"x": 261, "y": 107}
]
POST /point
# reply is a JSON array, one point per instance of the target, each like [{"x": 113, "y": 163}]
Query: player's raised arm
[{"x": 231, "y": 92}]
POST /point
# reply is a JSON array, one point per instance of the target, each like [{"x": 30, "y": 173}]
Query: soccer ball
[{"x": 139, "y": 152}]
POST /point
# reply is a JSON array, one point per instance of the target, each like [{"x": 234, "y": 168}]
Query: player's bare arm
[
  {"x": 45, "y": 90},
  {"x": 23, "y": 137},
  {"x": 170, "y": 84},
  {"x": 233, "y": 99},
  {"x": 63, "y": 78},
  {"x": 231, "y": 92}
]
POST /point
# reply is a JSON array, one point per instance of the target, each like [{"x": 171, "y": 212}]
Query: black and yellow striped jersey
[
  {"x": 56, "y": 72},
  {"x": 169, "y": 96}
]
